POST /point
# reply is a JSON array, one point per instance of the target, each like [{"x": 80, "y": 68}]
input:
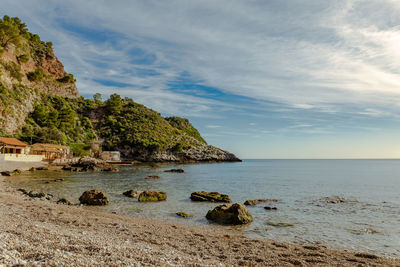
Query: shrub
[
  {"x": 23, "y": 58},
  {"x": 80, "y": 150},
  {"x": 69, "y": 78},
  {"x": 14, "y": 70},
  {"x": 36, "y": 75}
]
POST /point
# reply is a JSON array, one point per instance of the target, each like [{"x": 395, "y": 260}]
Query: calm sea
[{"x": 367, "y": 219}]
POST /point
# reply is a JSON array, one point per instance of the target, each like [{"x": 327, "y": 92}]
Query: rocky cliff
[
  {"x": 28, "y": 68},
  {"x": 39, "y": 102}
]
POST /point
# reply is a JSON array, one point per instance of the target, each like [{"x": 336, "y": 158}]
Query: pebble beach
[{"x": 36, "y": 232}]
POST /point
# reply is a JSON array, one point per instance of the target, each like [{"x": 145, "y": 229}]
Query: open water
[{"x": 364, "y": 215}]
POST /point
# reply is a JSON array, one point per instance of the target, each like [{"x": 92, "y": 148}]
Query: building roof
[
  {"x": 49, "y": 147},
  {"x": 12, "y": 142}
]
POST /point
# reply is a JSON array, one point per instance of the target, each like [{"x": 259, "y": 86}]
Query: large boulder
[
  {"x": 146, "y": 196},
  {"x": 210, "y": 197},
  {"x": 94, "y": 197},
  {"x": 230, "y": 214}
]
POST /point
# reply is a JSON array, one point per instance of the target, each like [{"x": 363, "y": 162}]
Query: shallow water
[{"x": 351, "y": 204}]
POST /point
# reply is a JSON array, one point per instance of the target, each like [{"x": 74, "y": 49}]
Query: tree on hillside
[
  {"x": 114, "y": 104},
  {"x": 10, "y": 31}
]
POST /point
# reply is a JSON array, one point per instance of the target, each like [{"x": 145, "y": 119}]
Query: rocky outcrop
[
  {"x": 94, "y": 198},
  {"x": 200, "y": 152},
  {"x": 150, "y": 196},
  {"x": 230, "y": 214},
  {"x": 14, "y": 77},
  {"x": 85, "y": 164},
  {"x": 210, "y": 197}
]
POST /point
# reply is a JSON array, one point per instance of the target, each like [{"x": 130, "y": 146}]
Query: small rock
[
  {"x": 146, "y": 196},
  {"x": 176, "y": 170},
  {"x": 130, "y": 193},
  {"x": 184, "y": 214},
  {"x": 32, "y": 169},
  {"x": 210, "y": 196},
  {"x": 64, "y": 201},
  {"x": 153, "y": 177},
  {"x": 17, "y": 172},
  {"x": 270, "y": 208},
  {"x": 230, "y": 214},
  {"x": 94, "y": 197},
  {"x": 66, "y": 168},
  {"x": 6, "y": 173},
  {"x": 258, "y": 201}
]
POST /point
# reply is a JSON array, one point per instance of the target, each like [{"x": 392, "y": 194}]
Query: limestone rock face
[
  {"x": 94, "y": 198},
  {"x": 151, "y": 196},
  {"x": 230, "y": 214},
  {"x": 210, "y": 197}
]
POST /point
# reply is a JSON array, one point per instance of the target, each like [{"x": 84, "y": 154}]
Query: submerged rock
[
  {"x": 258, "y": 201},
  {"x": 210, "y": 196},
  {"x": 153, "y": 177},
  {"x": 175, "y": 170},
  {"x": 184, "y": 214},
  {"x": 130, "y": 193},
  {"x": 42, "y": 168},
  {"x": 230, "y": 214},
  {"x": 64, "y": 201},
  {"x": 270, "y": 208},
  {"x": 146, "y": 196},
  {"x": 54, "y": 181},
  {"x": 94, "y": 197}
]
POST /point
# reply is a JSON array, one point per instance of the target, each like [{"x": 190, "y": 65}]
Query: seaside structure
[
  {"x": 12, "y": 149},
  {"x": 110, "y": 156},
  {"x": 50, "y": 151}
]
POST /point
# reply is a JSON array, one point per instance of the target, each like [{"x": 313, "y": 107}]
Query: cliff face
[
  {"x": 28, "y": 67},
  {"x": 39, "y": 102}
]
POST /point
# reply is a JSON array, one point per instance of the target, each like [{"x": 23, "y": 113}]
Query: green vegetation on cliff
[{"x": 117, "y": 122}]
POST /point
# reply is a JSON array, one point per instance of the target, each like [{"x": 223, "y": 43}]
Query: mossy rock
[
  {"x": 130, "y": 193},
  {"x": 234, "y": 214},
  {"x": 210, "y": 197},
  {"x": 183, "y": 214},
  {"x": 151, "y": 196},
  {"x": 94, "y": 198}
]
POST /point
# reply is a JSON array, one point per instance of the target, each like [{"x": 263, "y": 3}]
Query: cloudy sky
[{"x": 263, "y": 79}]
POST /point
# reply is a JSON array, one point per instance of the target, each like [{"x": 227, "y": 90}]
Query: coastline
[{"x": 42, "y": 232}]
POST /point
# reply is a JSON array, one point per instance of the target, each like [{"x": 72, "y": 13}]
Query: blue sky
[{"x": 263, "y": 79}]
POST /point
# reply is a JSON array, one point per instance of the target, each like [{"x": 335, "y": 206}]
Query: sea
[{"x": 341, "y": 204}]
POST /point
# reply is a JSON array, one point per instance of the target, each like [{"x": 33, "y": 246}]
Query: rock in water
[
  {"x": 258, "y": 201},
  {"x": 230, "y": 214},
  {"x": 94, "y": 197},
  {"x": 210, "y": 196},
  {"x": 176, "y": 170},
  {"x": 64, "y": 201},
  {"x": 153, "y": 177},
  {"x": 152, "y": 196},
  {"x": 6, "y": 173},
  {"x": 184, "y": 214},
  {"x": 130, "y": 193}
]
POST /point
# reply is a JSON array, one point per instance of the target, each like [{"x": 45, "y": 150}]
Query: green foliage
[
  {"x": 23, "y": 58},
  {"x": 80, "y": 150},
  {"x": 69, "y": 78},
  {"x": 13, "y": 69},
  {"x": 185, "y": 126},
  {"x": 114, "y": 104},
  {"x": 120, "y": 123},
  {"x": 36, "y": 75},
  {"x": 11, "y": 30}
]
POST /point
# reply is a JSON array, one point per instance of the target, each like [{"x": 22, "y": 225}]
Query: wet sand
[{"x": 34, "y": 231}]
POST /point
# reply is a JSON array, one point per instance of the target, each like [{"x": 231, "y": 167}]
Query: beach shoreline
[{"x": 34, "y": 231}]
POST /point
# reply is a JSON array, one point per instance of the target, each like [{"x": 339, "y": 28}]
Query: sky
[{"x": 262, "y": 79}]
